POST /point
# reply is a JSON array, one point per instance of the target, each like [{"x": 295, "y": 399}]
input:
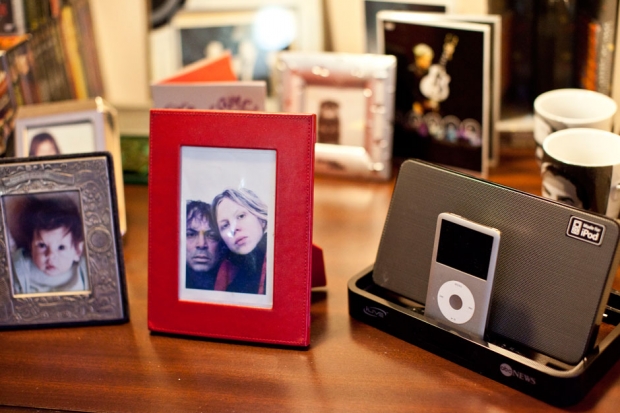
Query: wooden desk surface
[{"x": 349, "y": 367}]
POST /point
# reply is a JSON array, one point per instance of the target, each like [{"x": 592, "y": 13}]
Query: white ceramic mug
[
  {"x": 581, "y": 167},
  {"x": 571, "y": 108}
]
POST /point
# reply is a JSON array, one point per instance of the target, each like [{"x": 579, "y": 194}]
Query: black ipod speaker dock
[
  {"x": 528, "y": 373},
  {"x": 555, "y": 263}
]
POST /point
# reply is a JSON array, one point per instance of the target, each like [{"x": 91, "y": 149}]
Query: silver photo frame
[
  {"x": 61, "y": 262},
  {"x": 353, "y": 98}
]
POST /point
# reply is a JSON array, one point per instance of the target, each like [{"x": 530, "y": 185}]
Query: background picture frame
[
  {"x": 353, "y": 98},
  {"x": 308, "y": 16},
  {"x": 372, "y": 7},
  {"x": 87, "y": 287},
  {"x": 217, "y": 151},
  {"x": 208, "y": 35},
  {"x": 74, "y": 126},
  {"x": 252, "y": 30}
]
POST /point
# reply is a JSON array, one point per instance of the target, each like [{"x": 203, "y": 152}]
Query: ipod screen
[{"x": 464, "y": 249}]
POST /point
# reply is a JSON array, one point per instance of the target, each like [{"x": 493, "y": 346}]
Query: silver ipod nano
[{"x": 461, "y": 275}]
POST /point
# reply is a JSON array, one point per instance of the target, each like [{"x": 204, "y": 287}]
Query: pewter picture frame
[
  {"x": 353, "y": 98},
  {"x": 37, "y": 288}
]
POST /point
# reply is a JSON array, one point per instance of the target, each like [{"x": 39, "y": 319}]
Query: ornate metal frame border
[{"x": 92, "y": 176}]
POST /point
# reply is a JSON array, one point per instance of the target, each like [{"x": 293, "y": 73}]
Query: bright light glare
[{"x": 274, "y": 28}]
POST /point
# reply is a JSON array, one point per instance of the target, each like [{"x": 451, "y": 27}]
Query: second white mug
[{"x": 571, "y": 108}]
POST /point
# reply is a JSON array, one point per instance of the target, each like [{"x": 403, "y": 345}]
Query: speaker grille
[{"x": 548, "y": 286}]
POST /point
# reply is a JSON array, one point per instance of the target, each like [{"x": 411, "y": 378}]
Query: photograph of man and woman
[
  {"x": 226, "y": 246},
  {"x": 46, "y": 243}
]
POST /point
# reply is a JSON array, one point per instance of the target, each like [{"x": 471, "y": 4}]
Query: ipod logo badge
[
  {"x": 585, "y": 231},
  {"x": 576, "y": 227}
]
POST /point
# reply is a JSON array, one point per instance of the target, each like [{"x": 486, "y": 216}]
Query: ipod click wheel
[{"x": 461, "y": 275}]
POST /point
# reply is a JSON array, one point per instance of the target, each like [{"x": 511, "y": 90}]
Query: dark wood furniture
[{"x": 349, "y": 366}]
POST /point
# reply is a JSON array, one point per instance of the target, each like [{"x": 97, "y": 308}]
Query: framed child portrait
[
  {"x": 73, "y": 126},
  {"x": 61, "y": 262},
  {"x": 230, "y": 231}
]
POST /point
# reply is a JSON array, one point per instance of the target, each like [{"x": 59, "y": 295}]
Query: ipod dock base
[{"x": 554, "y": 383}]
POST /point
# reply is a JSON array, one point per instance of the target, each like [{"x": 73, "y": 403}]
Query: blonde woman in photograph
[{"x": 241, "y": 219}]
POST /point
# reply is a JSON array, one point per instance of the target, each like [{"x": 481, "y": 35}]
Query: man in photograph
[{"x": 203, "y": 247}]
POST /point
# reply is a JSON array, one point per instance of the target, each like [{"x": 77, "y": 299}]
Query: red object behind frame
[
  {"x": 217, "y": 69},
  {"x": 292, "y": 136}
]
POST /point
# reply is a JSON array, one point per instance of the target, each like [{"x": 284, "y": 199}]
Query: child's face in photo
[{"x": 53, "y": 251}]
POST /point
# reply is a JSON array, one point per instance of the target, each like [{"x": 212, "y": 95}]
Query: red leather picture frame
[{"x": 291, "y": 137}]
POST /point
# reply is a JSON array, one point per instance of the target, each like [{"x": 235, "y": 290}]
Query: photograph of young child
[{"x": 46, "y": 239}]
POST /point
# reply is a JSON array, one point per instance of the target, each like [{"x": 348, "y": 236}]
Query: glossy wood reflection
[{"x": 349, "y": 366}]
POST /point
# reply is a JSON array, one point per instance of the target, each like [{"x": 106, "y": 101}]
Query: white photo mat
[
  {"x": 70, "y": 137},
  {"x": 75, "y": 132},
  {"x": 206, "y": 172}
]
